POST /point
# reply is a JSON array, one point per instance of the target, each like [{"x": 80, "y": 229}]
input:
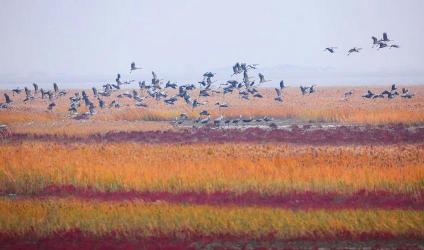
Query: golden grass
[
  {"x": 28, "y": 167},
  {"x": 135, "y": 219},
  {"x": 324, "y": 106}
]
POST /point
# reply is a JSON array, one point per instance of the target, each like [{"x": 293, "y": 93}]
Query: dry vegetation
[
  {"x": 138, "y": 219},
  {"x": 324, "y": 106},
  {"x": 29, "y": 169},
  {"x": 238, "y": 168}
]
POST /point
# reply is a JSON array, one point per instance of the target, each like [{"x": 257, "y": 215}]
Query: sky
[{"x": 84, "y": 43}]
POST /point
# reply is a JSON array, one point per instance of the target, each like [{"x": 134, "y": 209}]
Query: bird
[
  {"x": 258, "y": 95},
  {"x": 262, "y": 78},
  {"x": 118, "y": 79},
  {"x": 171, "y": 85},
  {"x": 385, "y": 38},
  {"x": 353, "y": 50},
  {"x": 35, "y": 88},
  {"x": 140, "y": 104},
  {"x": 406, "y": 94},
  {"x": 94, "y": 91},
  {"x": 282, "y": 85},
  {"x": 368, "y": 95},
  {"x": 304, "y": 90},
  {"x": 236, "y": 121},
  {"x": 330, "y": 49},
  {"x": 51, "y": 106},
  {"x": 7, "y": 98},
  {"x": 204, "y": 112},
  {"x": 17, "y": 91},
  {"x": 348, "y": 94},
  {"x": 393, "y": 87},
  {"x": 55, "y": 87},
  {"x": 218, "y": 120},
  {"x": 101, "y": 103},
  {"x": 279, "y": 97},
  {"x": 133, "y": 67},
  {"x": 381, "y": 45},
  {"x": 267, "y": 119},
  {"x": 248, "y": 120},
  {"x": 221, "y": 105},
  {"x": 375, "y": 41},
  {"x": 205, "y": 120}
]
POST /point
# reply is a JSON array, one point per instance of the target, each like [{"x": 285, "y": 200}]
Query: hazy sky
[{"x": 84, "y": 41}]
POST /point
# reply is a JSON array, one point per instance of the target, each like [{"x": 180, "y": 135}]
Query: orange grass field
[
  {"x": 73, "y": 191},
  {"x": 324, "y": 106},
  {"x": 29, "y": 167}
]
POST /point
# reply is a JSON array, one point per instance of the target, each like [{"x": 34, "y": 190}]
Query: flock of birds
[
  {"x": 246, "y": 86},
  {"x": 384, "y": 42}
]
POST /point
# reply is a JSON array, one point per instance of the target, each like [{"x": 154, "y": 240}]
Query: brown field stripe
[
  {"x": 294, "y": 200},
  {"x": 75, "y": 239},
  {"x": 302, "y": 135}
]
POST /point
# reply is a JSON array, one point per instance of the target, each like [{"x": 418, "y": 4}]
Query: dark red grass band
[
  {"x": 390, "y": 134},
  {"x": 75, "y": 239},
  {"x": 293, "y": 200}
]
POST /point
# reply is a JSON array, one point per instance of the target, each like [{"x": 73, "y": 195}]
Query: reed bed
[
  {"x": 30, "y": 167},
  {"x": 138, "y": 219},
  {"x": 326, "y": 105}
]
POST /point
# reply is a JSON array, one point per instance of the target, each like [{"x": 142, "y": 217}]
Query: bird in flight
[
  {"x": 133, "y": 67},
  {"x": 331, "y": 49},
  {"x": 353, "y": 50}
]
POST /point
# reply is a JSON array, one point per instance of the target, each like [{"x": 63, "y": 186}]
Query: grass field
[
  {"x": 68, "y": 184},
  {"x": 327, "y": 105}
]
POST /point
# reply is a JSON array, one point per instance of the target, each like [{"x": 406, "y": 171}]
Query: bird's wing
[
  {"x": 385, "y": 36},
  {"x": 278, "y": 91}
]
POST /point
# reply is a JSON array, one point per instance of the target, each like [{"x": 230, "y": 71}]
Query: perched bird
[
  {"x": 204, "y": 112},
  {"x": 406, "y": 94},
  {"x": 51, "y": 106},
  {"x": 348, "y": 94},
  {"x": 101, "y": 103},
  {"x": 368, "y": 95}
]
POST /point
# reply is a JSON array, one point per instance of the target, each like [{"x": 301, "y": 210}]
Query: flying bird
[
  {"x": 385, "y": 38},
  {"x": 262, "y": 78},
  {"x": 55, "y": 87},
  {"x": 133, "y": 67},
  {"x": 353, "y": 50},
  {"x": 331, "y": 49},
  {"x": 282, "y": 85},
  {"x": 279, "y": 97}
]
